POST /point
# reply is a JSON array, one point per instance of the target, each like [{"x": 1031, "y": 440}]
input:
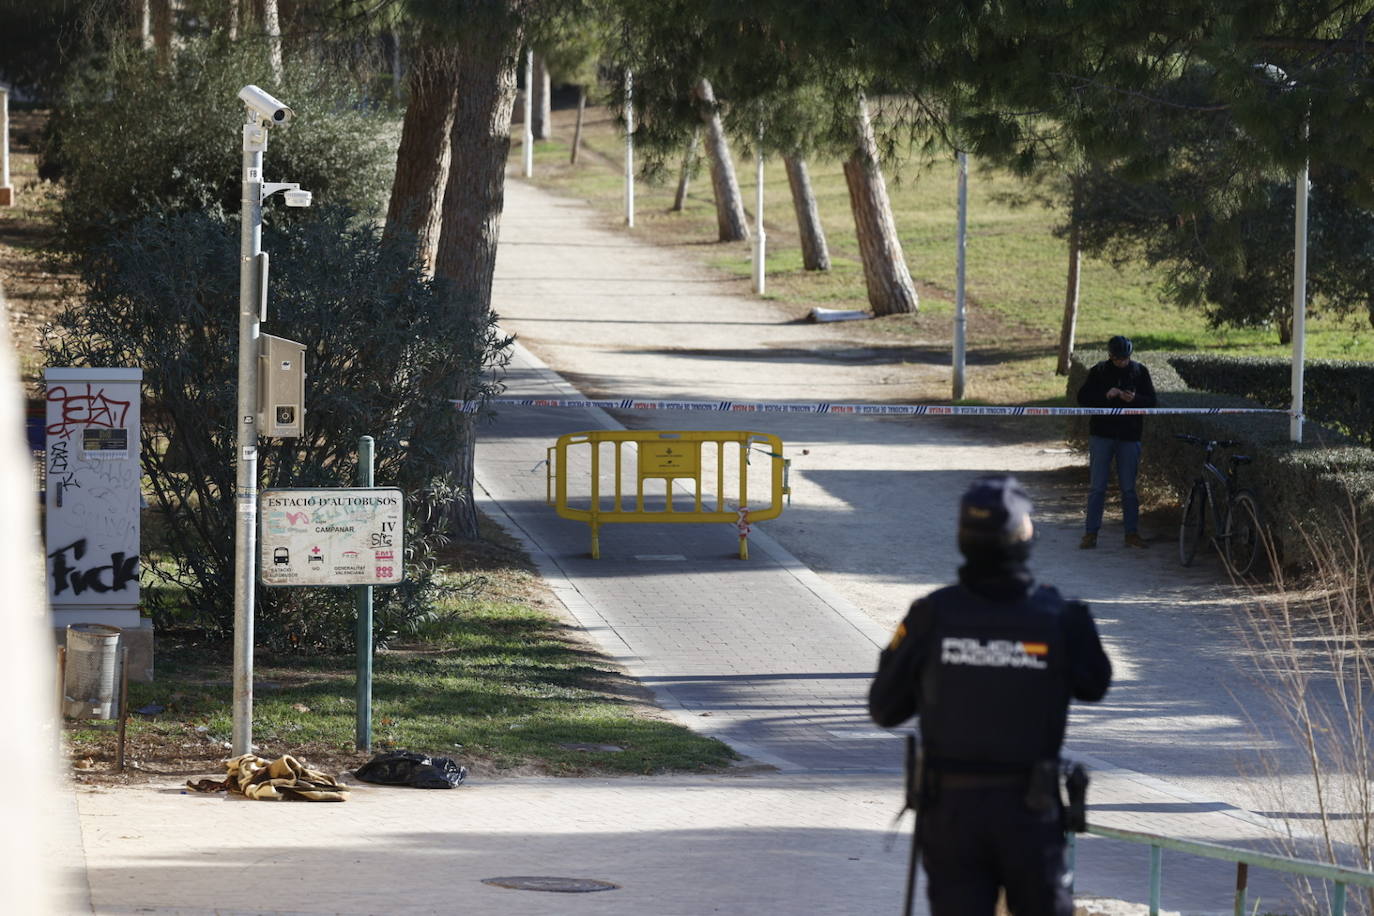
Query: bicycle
[{"x": 1237, "y": 519}]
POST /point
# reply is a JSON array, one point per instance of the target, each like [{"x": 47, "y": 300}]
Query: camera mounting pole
[{"x": 263, "y": 111}]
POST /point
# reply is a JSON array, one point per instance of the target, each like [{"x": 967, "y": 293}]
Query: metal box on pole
[{"x": 281, "y": 387}]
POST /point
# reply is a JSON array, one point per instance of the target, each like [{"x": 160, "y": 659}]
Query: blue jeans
[{"x": 1102, "y": 452}]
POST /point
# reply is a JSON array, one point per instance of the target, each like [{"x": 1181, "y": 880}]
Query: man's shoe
[
  {"x": 1089, "y": 541},
  {"x": 1135, "y": 540}
]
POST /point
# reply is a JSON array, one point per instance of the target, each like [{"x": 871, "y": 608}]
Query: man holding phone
[{"x": 1117, "y": 381}]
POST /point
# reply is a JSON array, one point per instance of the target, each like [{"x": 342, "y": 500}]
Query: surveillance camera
[
  {"x": 297, "y": 198},
  {"x": 268, "y": 108}
]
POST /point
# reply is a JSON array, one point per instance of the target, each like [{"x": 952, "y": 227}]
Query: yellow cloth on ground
[{"x": 283, "y": 779}]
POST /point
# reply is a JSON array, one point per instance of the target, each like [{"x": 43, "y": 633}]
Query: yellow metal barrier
[{"x": 695, "y": 458}]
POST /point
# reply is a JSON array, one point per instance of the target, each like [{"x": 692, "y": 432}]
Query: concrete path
[{"x": 772, "y": 655}]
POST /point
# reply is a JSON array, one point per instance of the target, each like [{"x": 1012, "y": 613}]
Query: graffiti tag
[
  {"x": 90, "y": 409},
  {"x": 114, "y": 577}
]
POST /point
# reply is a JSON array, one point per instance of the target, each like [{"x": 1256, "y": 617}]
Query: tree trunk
[
  {"x": 422, "y": 161},
  {"x": 271, "y": 27},
  {"x": 689, "y": 164},
  {"x": 162, "y": 32},
  {"x": 815, "y": 253},
  {"x": 142, "y": 26},
  {"x": 488, "y": 56},
  {"x": 397, "y": 60},
  {"x": 577, "y": 130},
  {"x": 1066, "y": 329},
  {"x": 233, "y": 16},
  {"x": 890, "y": 290},
  {"x": 734, "y": 227},
  {"x": 543, "y": 104}
]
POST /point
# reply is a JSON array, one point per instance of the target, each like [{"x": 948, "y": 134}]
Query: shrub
[
  {"x": 1312, "y": 648},
  {"x": 1338, "y": 393},
  {"x": 387, "y": 352},
  {"x": 130, "y": 140},
  {"x": 1305, "y": 488}
]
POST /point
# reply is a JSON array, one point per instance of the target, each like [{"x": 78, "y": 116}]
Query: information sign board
[
  {"x": 667, "y": 459},
  {"x": 331, "y": 536}
]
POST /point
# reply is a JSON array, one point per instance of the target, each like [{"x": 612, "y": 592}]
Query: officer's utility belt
[
  {"x": 1040, "y": 785},
  {"x": 980, "y": 780}
]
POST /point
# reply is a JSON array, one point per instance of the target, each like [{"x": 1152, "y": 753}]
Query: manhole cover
[{"x": 558, "y": 885}]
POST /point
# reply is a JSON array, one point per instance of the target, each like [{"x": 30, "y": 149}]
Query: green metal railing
[{"x": 1244, "y": 858}]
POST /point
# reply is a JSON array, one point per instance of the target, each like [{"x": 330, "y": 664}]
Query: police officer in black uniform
[{"x": 989, "y": 667}]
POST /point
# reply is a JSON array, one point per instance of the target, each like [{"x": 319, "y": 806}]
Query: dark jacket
[
  {"x": 1083, "y": 672},
  {"x": 1102, "y": 378}
]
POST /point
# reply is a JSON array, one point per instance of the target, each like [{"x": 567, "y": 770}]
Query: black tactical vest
[{"x": 994, "y": 691}]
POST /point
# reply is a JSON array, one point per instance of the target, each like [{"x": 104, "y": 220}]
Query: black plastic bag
[{"x": 405, "y": 768}]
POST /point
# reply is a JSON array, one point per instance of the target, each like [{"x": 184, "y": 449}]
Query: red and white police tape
[{"x": 916, "y": 410}]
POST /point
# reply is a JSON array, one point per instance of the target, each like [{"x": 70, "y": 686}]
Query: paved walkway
[{"x": 772, "y": 654}]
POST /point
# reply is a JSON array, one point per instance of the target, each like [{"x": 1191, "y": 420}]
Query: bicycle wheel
[
  {"x": 1246, "y": 553},
  {"x": 1191, "y": 528}
]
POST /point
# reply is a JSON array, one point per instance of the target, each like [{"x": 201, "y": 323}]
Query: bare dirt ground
[{"x": 33, "y": 284}]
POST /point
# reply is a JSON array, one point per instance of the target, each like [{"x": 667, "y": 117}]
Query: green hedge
[
  {"x": 1310, "y": 486},
  {"x": 1337, "y": 393}
]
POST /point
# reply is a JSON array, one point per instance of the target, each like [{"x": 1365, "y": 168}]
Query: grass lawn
[
  {"x": 499, "y": 683},
  {"x": 1016, "y": 268}
]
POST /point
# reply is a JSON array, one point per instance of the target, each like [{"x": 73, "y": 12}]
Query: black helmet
[
  {"x": 995, "y": 512},
  {"x": 1120, "y": 346}
]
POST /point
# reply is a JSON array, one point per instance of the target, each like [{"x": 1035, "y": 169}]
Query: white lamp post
[
  {"x": 6, "y": 191},
  {"x": 960, "y": 320},
  {"x": 1299, "y": 270},
  {"x": 629, "y": 150},
  {"x": 529, "y": 113},
  {"x": 1299, "y": 299},
  {"x": 760, "y": 240}
]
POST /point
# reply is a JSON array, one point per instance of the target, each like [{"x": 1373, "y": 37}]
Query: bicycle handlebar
[{"x": 1213, "y": 443}]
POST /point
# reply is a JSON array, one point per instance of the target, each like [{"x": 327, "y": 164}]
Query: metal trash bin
[{"x": 91, "y": 680}]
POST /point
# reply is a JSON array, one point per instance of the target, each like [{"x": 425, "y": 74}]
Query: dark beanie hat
[
  {"x": 1120, "y": 346},
  {"x": 995, "y": 512}
]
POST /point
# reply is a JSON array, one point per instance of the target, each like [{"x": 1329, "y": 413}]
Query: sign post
[
  {"x": 338, "y": 536},
  {"x": 363, "y": 594}
]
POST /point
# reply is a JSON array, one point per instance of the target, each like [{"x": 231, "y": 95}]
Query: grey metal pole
[
  {"x": 1299, "y": 302},
  {"x": 629, "y": 150},
  {"x": 529, "y": 113},
  {"x": 246, "y": 482},
  {"x": 363, "y": 600},
  {"x": 960, "y": 320}
]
